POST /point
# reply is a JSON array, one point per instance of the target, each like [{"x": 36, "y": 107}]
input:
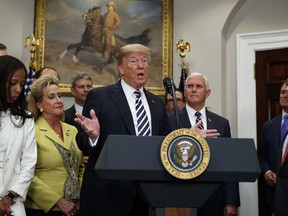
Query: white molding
[{"x": 247, "y": 45}]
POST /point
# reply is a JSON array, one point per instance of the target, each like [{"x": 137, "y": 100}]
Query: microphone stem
[{"x": 175, "y": 106}]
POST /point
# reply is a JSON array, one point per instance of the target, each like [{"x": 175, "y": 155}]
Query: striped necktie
[
  {"x": 142, "y": 119},
  {"x": 198, "y": 118},
  {"x": 284, "y": 127},
  {"x": 284, "y": 154}
]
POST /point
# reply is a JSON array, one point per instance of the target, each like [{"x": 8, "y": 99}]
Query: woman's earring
[{"x": 41, "y": 110}]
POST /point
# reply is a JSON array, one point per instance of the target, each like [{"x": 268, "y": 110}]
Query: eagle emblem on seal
[{"x": 185, "y": 154}]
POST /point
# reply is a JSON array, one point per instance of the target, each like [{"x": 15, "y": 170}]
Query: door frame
[{"x": 247, "y": 45}]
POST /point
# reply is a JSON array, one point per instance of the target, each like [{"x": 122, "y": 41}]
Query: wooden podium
[{"x": 137, "y": 159}]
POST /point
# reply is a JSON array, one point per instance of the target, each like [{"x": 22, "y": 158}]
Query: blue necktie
[
  {"x": 198, "y": 118},
  {"x": 142, "y": 119},
  {"x": 284, "y": 127}
]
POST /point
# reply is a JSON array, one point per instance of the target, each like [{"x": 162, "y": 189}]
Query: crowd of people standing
[{"x": 48, "y": 155}]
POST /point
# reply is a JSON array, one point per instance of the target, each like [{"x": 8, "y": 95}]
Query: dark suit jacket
[
  {"x": 70, "y": 116},
  {"x": 69, "y": 119},
  {"x": 105, "y": 197},
  {"x": 281, "y": 186},
  {"x": 268, "y": 151},
  {"x": 227, "y": 193}
]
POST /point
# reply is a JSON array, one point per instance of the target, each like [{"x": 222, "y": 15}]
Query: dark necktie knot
[
  {"x": 198, "y": 118},
  {"x": 198, "y": 115},
  {"x": 137, "y": 93}
]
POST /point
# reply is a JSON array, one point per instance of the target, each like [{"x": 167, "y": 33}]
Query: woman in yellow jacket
[{"x": 55, "y": 188}]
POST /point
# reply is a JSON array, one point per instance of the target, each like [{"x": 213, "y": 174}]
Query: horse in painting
[{"x": 92, "y": 38}]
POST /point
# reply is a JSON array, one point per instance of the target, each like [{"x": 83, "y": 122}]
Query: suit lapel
[
  {"x": 210, "y": 122},
  {"x": 122, "y": 105},
  {"x": 276, "y": 130},
  {"x": 153, "y": 110},
  {"x": 184, "y": 119},
  {"x": 279, "y": 143},
  {"x": 50, "y": 134},
  {"x": 67, "y": 134},
  {"x": 13, "y": 130}
]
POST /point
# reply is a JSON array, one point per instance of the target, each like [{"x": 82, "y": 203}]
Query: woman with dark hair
[{"x": 18, "y": 153}]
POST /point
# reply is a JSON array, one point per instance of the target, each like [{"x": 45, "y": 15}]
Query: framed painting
[{"x": 73, "y": 38}]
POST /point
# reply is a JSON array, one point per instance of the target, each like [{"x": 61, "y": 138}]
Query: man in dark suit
[
  {"x": 169, "y": 101},
  {"x": 80, "y": 86},
  {"x": 270, "y": 155},
  {"x": 111, "y": 110},
  {"x": 281, "y": 185},
  {"x": 226, "y": 199},
  {"x": 267, "y": 154}
]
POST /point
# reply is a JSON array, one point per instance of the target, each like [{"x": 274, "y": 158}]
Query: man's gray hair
[
  {"x": 197, "y": 74},
  {"x": 78, "y": 76}
]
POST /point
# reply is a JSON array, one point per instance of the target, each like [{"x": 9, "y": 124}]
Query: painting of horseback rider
[
  {"x": 99, "y": 35},
  {"x": 86, "y": 36}
]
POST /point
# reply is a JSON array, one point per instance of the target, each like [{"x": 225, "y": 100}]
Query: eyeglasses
[
  {"x": 284, "y": 92},
  {"x": 177, "y": 99}
]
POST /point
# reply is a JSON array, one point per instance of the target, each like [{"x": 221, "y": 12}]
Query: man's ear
[
  {"x": 121, "y": 69},
  {"x": 208, "y": 92},
  {"x": 72, "y": 92}
]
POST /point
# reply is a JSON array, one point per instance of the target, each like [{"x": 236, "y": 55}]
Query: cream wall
[
  {"x": 210, "y": 27},
  {"x": 16, "y": 22}
]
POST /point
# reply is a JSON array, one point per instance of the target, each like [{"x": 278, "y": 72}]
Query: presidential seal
[{"x": 185, "y": 154}]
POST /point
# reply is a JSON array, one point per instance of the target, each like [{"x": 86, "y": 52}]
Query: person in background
[
  {"x": 111, "y": 110},
  {"x": 40, "y": 72},
  {"x": 270, "y": 154},
  {"x": 18, "y": 151},
  {"x": 111, "y": 22},
  {"x": 55, "y": 188},
  {"x": 47, "y": 70},
  {"x": 80, "y": 86},
  {"x": 226, "y": 199},
  {"x": 3, "y": 49},
  {"x": 169, "y": 101}
]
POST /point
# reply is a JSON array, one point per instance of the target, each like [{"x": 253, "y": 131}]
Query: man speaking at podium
[
  {"x": 115, "y": 110},
  {"x": 225, "y": 200}
]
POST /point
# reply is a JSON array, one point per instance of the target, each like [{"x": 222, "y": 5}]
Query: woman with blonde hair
[{"x": 55, "y": 188}]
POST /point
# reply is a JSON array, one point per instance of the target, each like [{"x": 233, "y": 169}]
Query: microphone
[
  {"x": 170, "y": 88},
  {"x": 169, "y": 85}
]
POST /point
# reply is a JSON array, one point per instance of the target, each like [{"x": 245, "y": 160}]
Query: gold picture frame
[{"x": 49, "y": 27}]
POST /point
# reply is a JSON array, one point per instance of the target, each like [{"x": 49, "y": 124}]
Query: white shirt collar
[
  {"x": 191, "y": 114},
  {"x": 78, "y": 108},
  {"x": 128, "y": 90}
]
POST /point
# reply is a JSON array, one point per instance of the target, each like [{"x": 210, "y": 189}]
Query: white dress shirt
[
  {"x": 191, "y": 113},
  {"x": 78, "y": 108},
  {"x": 131, "y": 99}
]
